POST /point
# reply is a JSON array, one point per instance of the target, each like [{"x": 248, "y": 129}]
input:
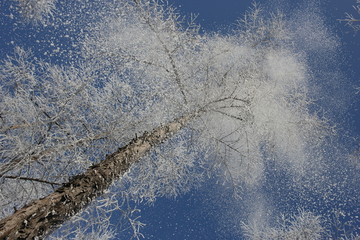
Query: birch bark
[{"x": 39, "y": 218}]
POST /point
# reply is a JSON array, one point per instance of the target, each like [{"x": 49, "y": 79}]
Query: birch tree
[{"x": 156, "y": 104}]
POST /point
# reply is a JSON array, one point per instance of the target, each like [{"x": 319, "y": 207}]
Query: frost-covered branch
[
  {"x": 139, "y": 68},
  {"x": 302, "y": 226},
  {"x": 351, "y": 20},
  {"x": 36, "y": 11},
  {"x": 43, "y": 215}
]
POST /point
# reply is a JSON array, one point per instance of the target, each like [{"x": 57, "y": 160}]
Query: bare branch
[{"x": 31, "y": 179}]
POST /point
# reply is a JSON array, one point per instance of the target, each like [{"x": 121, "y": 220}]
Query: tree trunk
[{"x": 39, "y": 218}]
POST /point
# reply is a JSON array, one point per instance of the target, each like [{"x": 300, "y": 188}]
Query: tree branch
[
  {"x": 31, "y": 179},
  {"x": 40, "y": 217}
]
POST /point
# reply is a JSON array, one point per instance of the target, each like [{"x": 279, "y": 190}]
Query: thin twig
[{"x": 31, "y": 179}]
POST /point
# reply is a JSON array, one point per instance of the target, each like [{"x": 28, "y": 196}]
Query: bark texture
[{"x": 39, "y": 218}]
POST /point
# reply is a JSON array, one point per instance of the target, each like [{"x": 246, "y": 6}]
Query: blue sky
[{"x": 199, "y": 214}]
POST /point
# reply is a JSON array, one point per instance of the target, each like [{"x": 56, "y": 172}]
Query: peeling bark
[{"x": 37, "y": 219}]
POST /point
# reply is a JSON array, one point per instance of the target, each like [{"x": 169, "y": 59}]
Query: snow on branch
[
  {"x": 302, "y": 226},
  {"x": 351, "y": 20},
  {"x": 36, "y": 11}
]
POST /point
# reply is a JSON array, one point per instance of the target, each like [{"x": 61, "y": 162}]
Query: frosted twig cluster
[
  {"x": 36, "y": 11},
  {"x": 156, "y": 103}
]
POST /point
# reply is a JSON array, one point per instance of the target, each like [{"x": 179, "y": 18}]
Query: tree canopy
[{"x": 98, "y": 77}]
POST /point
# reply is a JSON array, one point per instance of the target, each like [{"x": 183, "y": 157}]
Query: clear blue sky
[{"x": 199, "y": 215}]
